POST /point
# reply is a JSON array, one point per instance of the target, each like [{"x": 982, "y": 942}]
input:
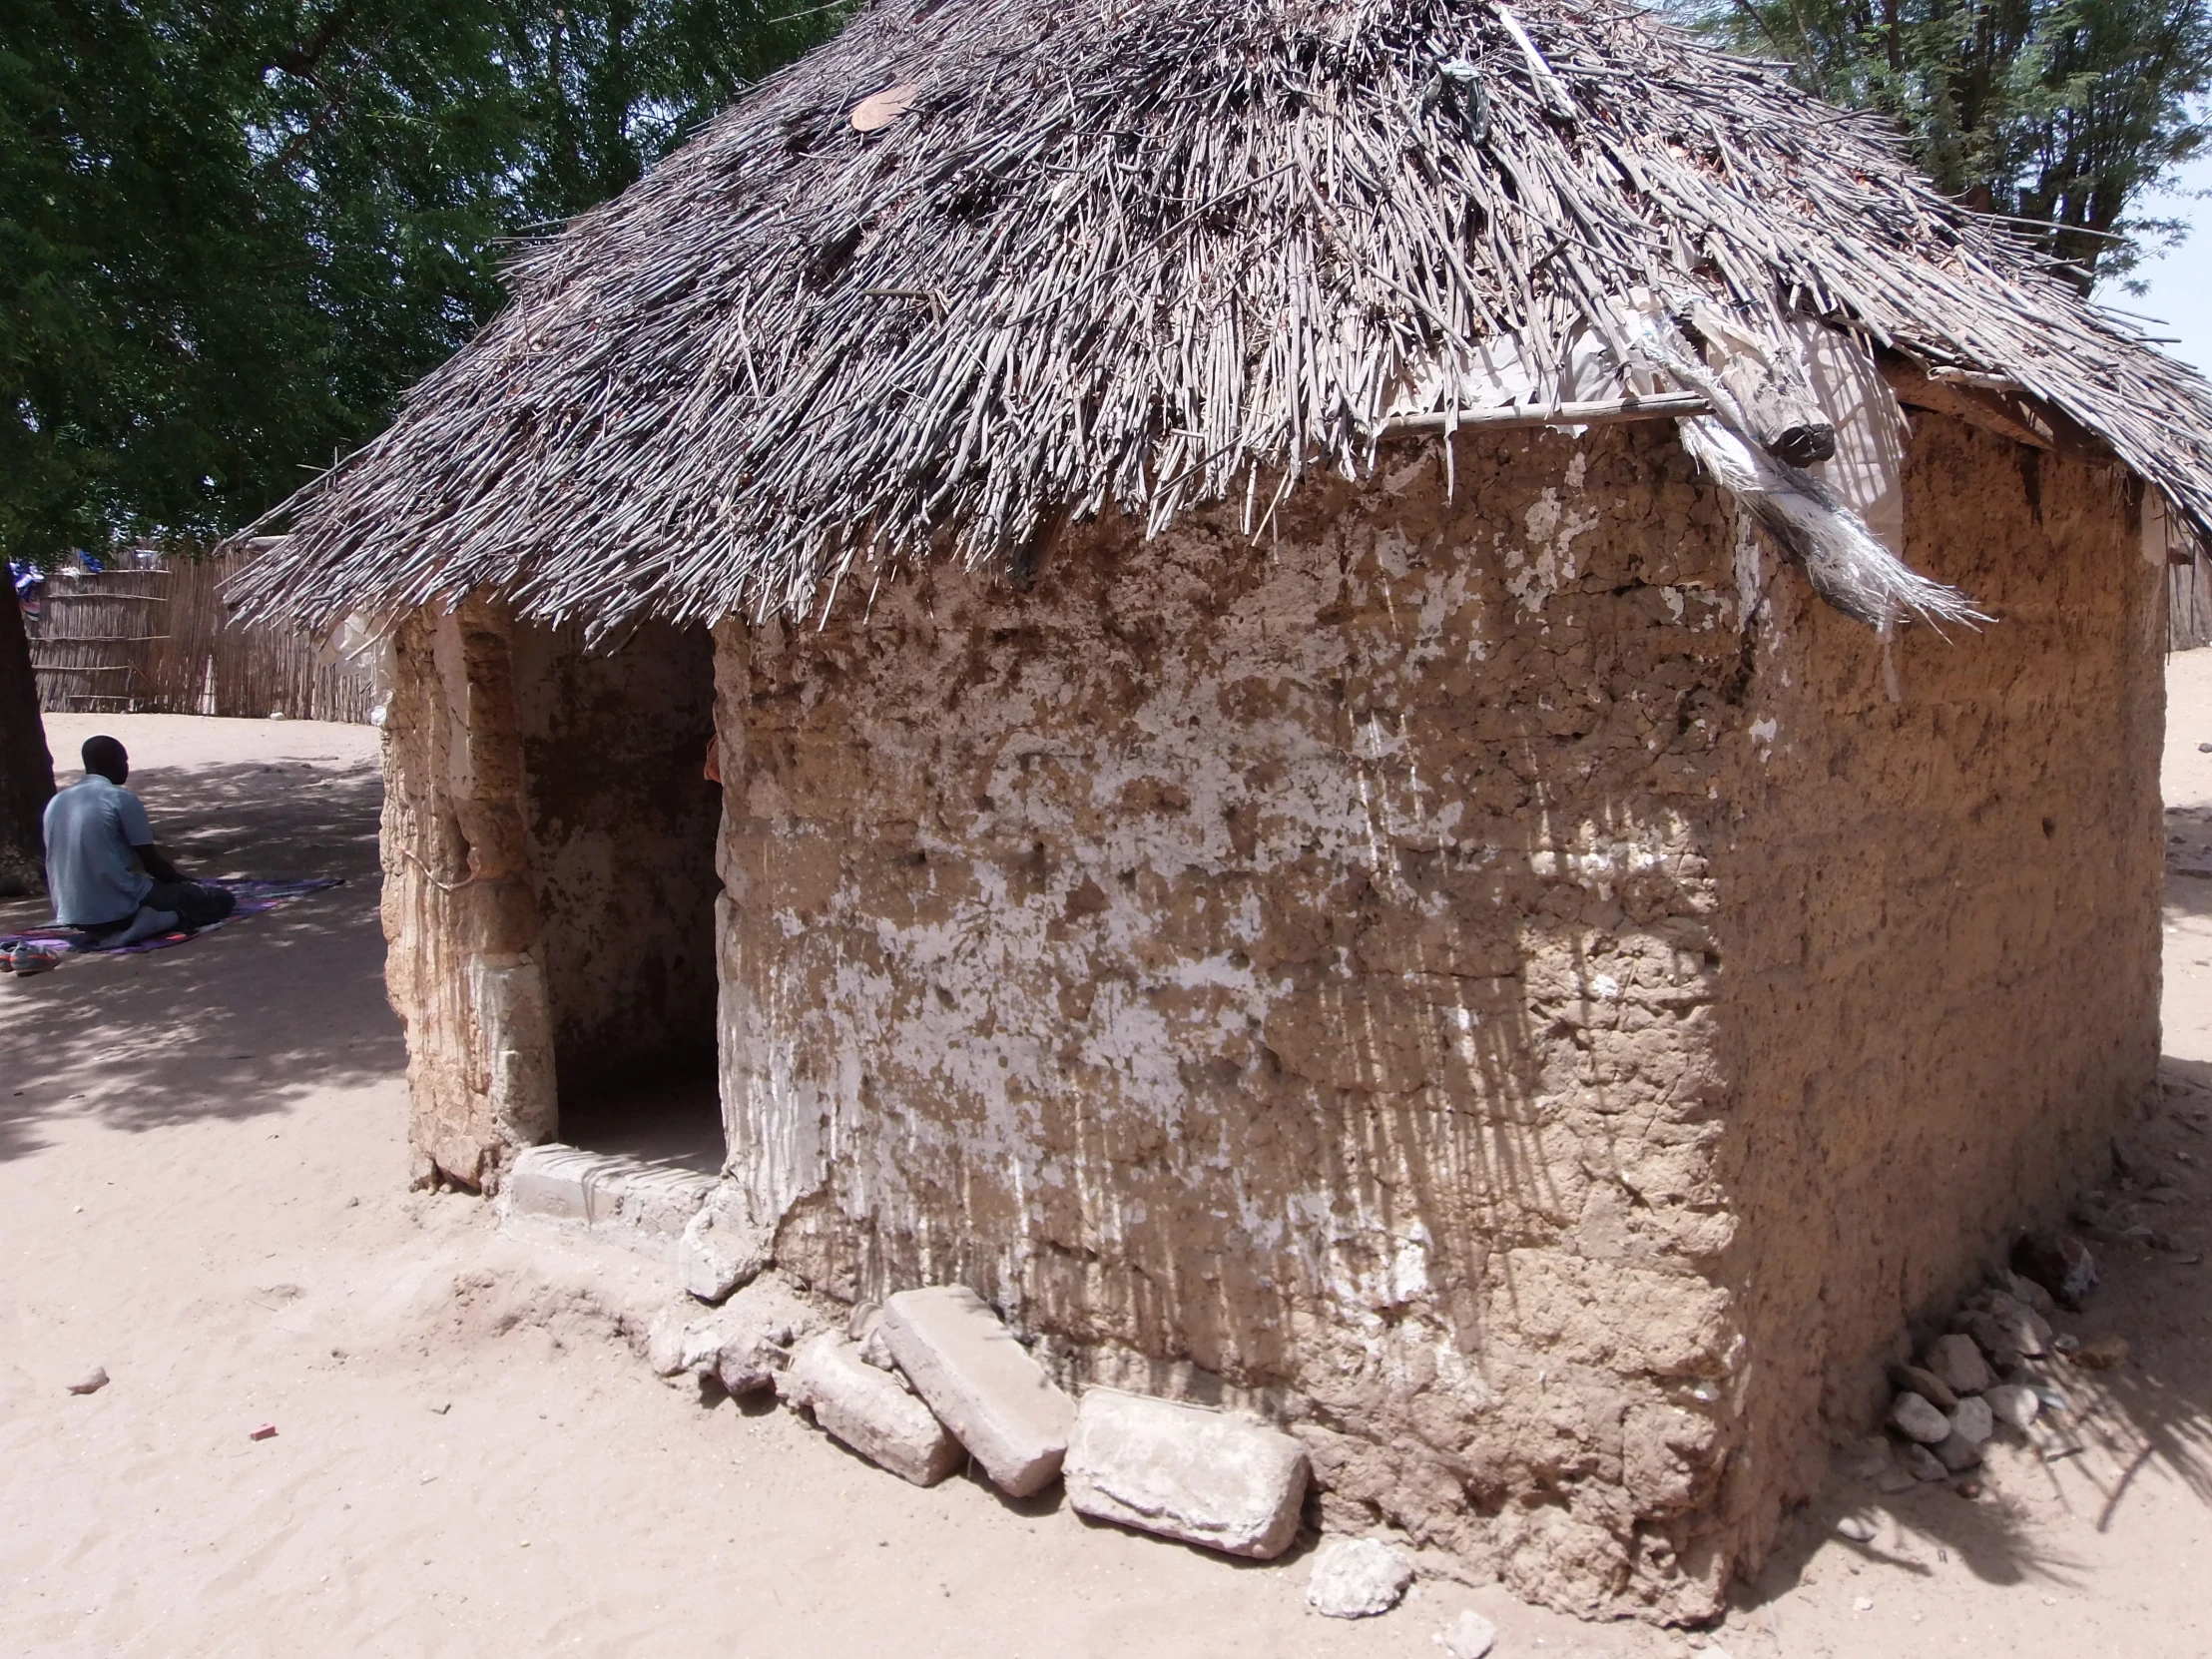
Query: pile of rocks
[
  {"x": 1992, "y": 1370},
  {"x": 933, "y": 1379}
]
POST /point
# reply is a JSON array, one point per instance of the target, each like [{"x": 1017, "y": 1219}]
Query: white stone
[
  {"x": 1355, "y": 1578},
  {"x": 91, "y": 1383},
  {"x": 1972, "y": 1421},
  {"x": 1469, "y": 1636},
  {"x": 868, "y": 1409},
  {"x": 1917, "y": 1419},
  {"x": 725, "y": 1244},
  {"x": 1185, "y": 1472},
  {"x": 982, "y": 1384},
  {"x": 2013, "y": 1405}
]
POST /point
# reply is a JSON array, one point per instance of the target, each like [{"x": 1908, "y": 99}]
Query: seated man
[{"x": 103, "y": 869}]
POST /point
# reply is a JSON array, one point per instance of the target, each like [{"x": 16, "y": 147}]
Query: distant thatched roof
[{"x": 1143, "y": 253}]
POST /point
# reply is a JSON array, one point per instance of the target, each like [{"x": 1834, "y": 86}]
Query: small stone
[
  {"x": 1899, "y": 1478},
  {"x": 1915, "y": 1419},
  {"x": 1970, "y": 1489},
  {"x": 1200, "y": 1476},
  {"x": 1921, "y": 1381},
  {"x": 1857, "y": 1528},
  {"x": 877, "y": 1352},
  {"x": 2013, "y": 1405},
  {"x": 91, "y": 1383},
  {"x": 868, "y": 1411},
  {"x": 1998, "y": 1339},
  {"x": 2102, "y": 1354},
  {"x": 1973, "y": 1420},
  {"x": 1959, "y": 1452},
  {"x": 1960, "y": 1363},
  {"x": 725, "y": 1246},
  {"x": 1921, "y": 1463},
  {"x": 267, "y": 1432},
  {"x": 2059, "y": 1262},
  {"x": 664, "y": 1343},
  {"x": 1863, "y": 1604},
  {"x": 1357, "y": 1578},
  {"x": 1469, "y": 1636},
  {"x": 2026, "y": 1290}
]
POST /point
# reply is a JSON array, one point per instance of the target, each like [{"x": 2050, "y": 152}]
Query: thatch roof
[{"x": 1137, "y": 254}]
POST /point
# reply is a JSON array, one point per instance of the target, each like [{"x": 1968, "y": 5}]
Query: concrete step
[{"x": 634, "y": 1201}]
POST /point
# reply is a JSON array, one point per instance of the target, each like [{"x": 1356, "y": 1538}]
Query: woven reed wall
[{"x": 162, "y": 641}]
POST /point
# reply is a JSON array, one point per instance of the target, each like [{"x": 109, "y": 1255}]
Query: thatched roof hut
[
  {"x": 975, "y": 267},
  {"x": 1281, "y": 816}
]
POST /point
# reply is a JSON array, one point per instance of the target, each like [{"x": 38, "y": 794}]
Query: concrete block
[
  {"x": 868, "y": 1409},
  {"x": 1186, "y": 1472},
  {"x": 552, "y": 1181},
  {"x": 982, "y": 1384}
]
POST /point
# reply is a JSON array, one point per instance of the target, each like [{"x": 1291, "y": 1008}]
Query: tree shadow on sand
[{"x": 239, "y": 1022}]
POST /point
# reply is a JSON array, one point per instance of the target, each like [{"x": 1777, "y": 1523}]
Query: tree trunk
[{"x": 26, "y": 768}]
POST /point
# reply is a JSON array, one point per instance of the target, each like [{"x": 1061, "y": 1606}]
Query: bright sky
[{"x": 2180, "y": 294}]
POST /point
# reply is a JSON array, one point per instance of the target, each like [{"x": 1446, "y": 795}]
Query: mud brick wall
[
  {"x": 463, "y": 966},
  {"x": 1942, "y": 887},
  {"x": 1500, "y": 982},
  {"x": 620, "y": 834}
]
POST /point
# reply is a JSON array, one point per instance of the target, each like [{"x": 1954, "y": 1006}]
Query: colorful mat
[{"x": 40, "y": 948}]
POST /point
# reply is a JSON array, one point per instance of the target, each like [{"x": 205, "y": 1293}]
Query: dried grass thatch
[{"x": 1140, "y": 255}]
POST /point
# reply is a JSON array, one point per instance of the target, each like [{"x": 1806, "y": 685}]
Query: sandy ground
[{"x": 203, "y": 1189}]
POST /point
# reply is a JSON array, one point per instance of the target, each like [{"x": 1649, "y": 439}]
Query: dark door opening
[{"x": 622, "y": 853}]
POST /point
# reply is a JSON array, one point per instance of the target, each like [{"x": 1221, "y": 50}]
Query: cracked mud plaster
[{"x": 1494, "y": 983}]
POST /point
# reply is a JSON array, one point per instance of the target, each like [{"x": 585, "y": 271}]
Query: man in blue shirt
[{"x": 103, "y": 869}]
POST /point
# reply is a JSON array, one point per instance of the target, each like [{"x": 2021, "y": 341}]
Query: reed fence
[{"x": 162, "y": 640}]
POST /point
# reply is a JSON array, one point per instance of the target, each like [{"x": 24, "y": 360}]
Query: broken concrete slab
[
  {"x": 725, "y": 1244},
  {"x": 982, "y": 1384},
  {"x": 868, "y": 1409},
  {"x": 1185, "y": 1472}
]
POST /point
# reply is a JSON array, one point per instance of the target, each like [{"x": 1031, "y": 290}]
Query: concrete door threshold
[{"x": 640, "y": 1204}]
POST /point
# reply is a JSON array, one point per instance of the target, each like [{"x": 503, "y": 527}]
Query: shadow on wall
[{"x": 240, "y": 1022}]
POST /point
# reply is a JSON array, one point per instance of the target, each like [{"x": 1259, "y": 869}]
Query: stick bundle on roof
[{"x": 1143, "y": 256}]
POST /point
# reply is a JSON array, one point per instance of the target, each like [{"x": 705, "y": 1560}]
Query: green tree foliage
[
  {"x": 233, "y": 230},
  {"x": 2059, "y": 112}
]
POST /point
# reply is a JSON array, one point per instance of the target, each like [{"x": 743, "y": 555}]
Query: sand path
[{"x": 203, "y": 1189}]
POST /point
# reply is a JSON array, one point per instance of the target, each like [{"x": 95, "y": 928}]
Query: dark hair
[{"x": 104, "y": 754}]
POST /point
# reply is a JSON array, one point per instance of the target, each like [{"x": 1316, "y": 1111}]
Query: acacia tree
[
  {"x": 2061, "y": 114},
  {"x": 232, "y": 232}
]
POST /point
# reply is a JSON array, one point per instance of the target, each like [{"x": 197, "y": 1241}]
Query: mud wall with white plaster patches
[{"x": 1344, "y": 974}]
